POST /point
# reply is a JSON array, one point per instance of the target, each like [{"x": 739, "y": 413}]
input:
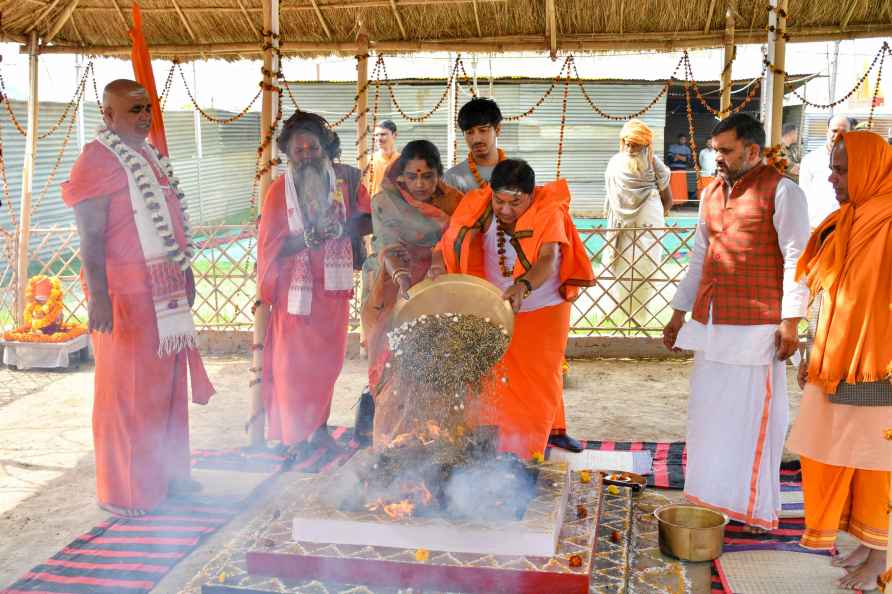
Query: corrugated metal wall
[
  {"x": 217, "y": 186},
  {"x": 589, "y": 140},
  {"x": 218, "y": 183}
]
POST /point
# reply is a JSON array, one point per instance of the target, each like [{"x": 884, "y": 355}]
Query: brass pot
[
  {"x": 455, "y": 293},
  {"x": 691, "y": 532}
]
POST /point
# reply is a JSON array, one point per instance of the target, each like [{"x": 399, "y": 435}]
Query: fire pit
[{"x": 458, "y": 496}]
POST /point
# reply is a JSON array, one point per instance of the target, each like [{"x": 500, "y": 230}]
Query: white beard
[
  {"x": 311, "y": 183},
  {"x": 637, "y": 164}
]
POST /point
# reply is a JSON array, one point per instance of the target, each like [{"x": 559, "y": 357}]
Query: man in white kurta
[
  {"x": 814, "y": 174},
  {"x": 745, "y": 305},
  {"x": 638, "y": 198}
]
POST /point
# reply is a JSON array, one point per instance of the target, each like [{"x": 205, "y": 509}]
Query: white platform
[
  {"x": 48, "y": 355},
  {"x": 536, "y": 534}
]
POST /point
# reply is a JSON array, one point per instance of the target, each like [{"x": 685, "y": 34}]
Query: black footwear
[
  {"x": 565, "y": 442},
  {"x": 365, "y": 418},
  {"x": 321, "y": 438}
]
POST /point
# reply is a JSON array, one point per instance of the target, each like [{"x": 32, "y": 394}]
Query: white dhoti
[{"x": 738, "y": 415}]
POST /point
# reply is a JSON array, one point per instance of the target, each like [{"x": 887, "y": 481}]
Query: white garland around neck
[{"x": 152, "y": 194}]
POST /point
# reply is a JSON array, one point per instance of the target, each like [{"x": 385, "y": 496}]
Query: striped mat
[
  {"x": 669, "y": 459},
  {"x": 131, "y": 555}
]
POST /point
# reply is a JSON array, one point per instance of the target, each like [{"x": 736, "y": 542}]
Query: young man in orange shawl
[
  {"x": 847, "y": 400},
  {"x": 409, "y": 216},
  {"x": 480, "y": 120},
  {"x": 136, "y": 251},
  {"x": 521, "y": 238},
  {"x": 311, "y": 220}
]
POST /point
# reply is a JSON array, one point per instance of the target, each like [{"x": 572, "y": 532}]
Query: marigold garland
[
  {"x": 64, "y": 333},
  {"x": 152, "y": 194},
  {"x": 472, "y": 165},
  {"x": 42, "y": 315},
  {"x": 776, "y": 157}
]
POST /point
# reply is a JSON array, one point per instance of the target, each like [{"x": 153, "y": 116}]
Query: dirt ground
[{"x": 47, "y": 491}]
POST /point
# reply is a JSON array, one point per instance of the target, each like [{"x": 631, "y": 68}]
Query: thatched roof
[{"x": 231, "y": 28}]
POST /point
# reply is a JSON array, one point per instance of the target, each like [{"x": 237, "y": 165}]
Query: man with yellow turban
[
  {"x": 637, "y": 197},
  {"x": 846, "y": 409}
]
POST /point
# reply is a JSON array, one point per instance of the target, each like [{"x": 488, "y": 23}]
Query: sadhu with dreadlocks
[{"x": 310, "y": 228}]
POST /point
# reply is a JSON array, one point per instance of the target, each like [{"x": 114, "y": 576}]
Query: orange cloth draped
[
  {"x": 525, "y": 406},
  {"x": 302, "y": 355},
  {"x": 142, "y": 70},
  {"x": 140, "y": 416},
  {"x": 843, "y": 258},
  {"x": 380, "y": 164},
  {"x": 841, "y": 498}
]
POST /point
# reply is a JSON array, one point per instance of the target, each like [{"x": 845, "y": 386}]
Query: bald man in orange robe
[{"x": 140, "y": 289}]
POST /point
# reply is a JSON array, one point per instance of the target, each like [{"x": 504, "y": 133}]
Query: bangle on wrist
[
  {"x": 398, "y": 273},
  {"x": 527, "y": 284}
]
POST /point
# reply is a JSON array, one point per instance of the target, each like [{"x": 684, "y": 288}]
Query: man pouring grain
[{"x": 520, "y": 237}]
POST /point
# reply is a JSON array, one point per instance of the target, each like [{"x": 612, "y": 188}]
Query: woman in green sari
[{"x": 409, "y": 215}]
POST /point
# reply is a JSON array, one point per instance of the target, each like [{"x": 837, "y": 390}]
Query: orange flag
[{"x": 142, "y": 70}]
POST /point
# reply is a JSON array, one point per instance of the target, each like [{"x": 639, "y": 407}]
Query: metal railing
[{"x": 637, "y": 271}]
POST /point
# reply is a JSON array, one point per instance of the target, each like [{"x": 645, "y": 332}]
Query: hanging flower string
[
  {"x": 776, "y": 157},
  {"x": 152, "y": 194},
  {"x": 472, "y": 165}
]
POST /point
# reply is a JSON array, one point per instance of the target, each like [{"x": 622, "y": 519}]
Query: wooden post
[
  {"x": 776, "y": 56},
  {"x": 24, "y": 236},
  {"x": 728, "y": 57},
  {"x": 257, "y": 426},
  {"x": 362, "y": 100}
]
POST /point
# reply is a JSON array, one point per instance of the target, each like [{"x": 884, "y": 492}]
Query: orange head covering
[
  {"x": 638, "y": 132},
  {"x": 849, "y": 256}
]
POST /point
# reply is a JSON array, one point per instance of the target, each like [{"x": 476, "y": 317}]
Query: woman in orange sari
[
  {"x": 846, "y": 405},
  {"x": 409, "y": 215}
]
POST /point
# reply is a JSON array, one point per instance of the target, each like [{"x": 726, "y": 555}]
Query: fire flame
[
  {"x": 426, "y": 435},
  {"x": 413, "y": 495}
]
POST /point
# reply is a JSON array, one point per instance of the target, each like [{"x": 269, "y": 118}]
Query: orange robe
[
  {"x": 140, "y": 407},
  {"x": 526, "y": 405},
  {"x": 302, "y": 355},
  {"x": 380, "y": 164},
  {"x": 846, "y": 459}
]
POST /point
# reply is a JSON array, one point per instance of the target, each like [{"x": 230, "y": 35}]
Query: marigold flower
[
  {"x": 888, "y": 434},
  {"x": 575, "y": 561},
  {"x": 585, "y": 476},
  {"x": 538, "y": 457},
  {"x": 422, "y": 555},
  {"x": 613, "y": 490}
]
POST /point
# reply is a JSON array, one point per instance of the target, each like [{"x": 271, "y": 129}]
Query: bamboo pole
[
  {"x": 780, "y": 63},
  {"x": 257, "y": 428},
  {"x": 774, "y": 96},
  {"x": 566, "y": 43},
  {"x": 728, "y": 56},
  {"x": 60, "y": 22},
  {"x": 362, "y": 100},
  {"x": 551, "y": 28},
  {"x": 24, "y": 235}
]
